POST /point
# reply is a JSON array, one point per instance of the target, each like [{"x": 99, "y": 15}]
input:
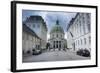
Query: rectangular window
[
  {"x": 78, "y": 42},
  {"x": 38, "y": 26},
  {"x": 57, "y": 35},
  {"x": 54, "y": 42},
  {"x": 33, "y": 38},
  {"x": 28, "y": 25},
  {"x": 33, "y": 25},
  {"x": 53, "y": 35},
  {"x": 89, "y": 40},
  {"x": 27, "y": 37},
  {"x": 60, "y": 42},
  {"x": 84, "y": 40},
  {"x": 81, "y": 41},
  {"x": 61, "y": 36},
  {"x": 83, "y": 20}
]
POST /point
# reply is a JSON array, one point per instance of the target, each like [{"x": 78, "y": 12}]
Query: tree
[{"x": 48, "y": 45}]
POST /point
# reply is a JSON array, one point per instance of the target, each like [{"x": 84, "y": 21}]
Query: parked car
[
  {"x": 86, "y": 53},
  {"x": 83, "y": 52},
  {"x": 79, "y": 52},
  {"x": 36, "y": 51}
]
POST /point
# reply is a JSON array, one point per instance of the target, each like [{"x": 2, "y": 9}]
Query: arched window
[{"x": 78, "y": 42}]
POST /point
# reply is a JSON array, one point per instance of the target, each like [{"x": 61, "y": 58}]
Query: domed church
[{"x": 57, "y": 40}]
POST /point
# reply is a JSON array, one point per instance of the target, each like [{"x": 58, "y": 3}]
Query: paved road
[{"x": 54, "y": 56}]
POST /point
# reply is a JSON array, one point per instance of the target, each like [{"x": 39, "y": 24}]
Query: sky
[{"x": 50, "y": 17}]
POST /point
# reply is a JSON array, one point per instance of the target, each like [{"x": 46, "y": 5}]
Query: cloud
[
  {"x": 63, "y": 17},
  {"x": 50, "y": 17}
]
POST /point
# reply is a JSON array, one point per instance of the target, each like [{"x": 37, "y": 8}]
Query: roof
[
  {"x": 57, "y": 28},
  {"x": 28, "y": 30},
  {"x": 35, "y": 18},
  {"x": 71, "y": 21}
]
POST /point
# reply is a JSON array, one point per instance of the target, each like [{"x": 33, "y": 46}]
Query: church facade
[{"x": 57, "y": 40}]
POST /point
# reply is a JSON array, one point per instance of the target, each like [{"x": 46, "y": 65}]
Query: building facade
[
  {"x": 79, "y": 32},
  {"x": 57, "y": 40},
  {"x": 29, "y": 40},
  {"x": 37, "y": 24}
]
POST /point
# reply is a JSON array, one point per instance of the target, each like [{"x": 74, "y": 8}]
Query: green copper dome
[{"x": 57, "y": 28}]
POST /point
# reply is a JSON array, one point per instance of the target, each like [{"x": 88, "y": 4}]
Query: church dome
[{"x": 57, "y": 28}]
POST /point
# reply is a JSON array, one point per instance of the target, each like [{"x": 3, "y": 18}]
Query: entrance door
[{"x": 56, "y": 44}]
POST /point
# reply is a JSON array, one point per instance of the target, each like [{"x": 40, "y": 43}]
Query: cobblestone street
[{"x": 54, "y": 56}]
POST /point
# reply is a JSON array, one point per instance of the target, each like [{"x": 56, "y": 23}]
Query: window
[
  {"x": 88, "y": 22},
  {"x": 89, "y": 27},
  {"x": 38, "y": 26},
  {"x": 88, "y": 15},
  {"x": 54, "y": 46},
  {"x": 81, "y": 41},
  {"x": 60, "y": 42},
  {"x": 80, "y": 25},
  {"x": 33, "y": 25},
  {"x": 53, "y": 35},
  {"x": 33, "y": 39},
  {"x": 57, "y": 35},
  {"x": 84, "y": 28},
  {"x": 57, "y": 42},
  {"x": 84, "y": 40},
  {"x": 78, "y": 42},
  {"x": 61, "y": 36},
  {"x": 27, "y": 37},
  {"x": 83, "y": 20},
  {"x": 89, "y": 40},
  {"x": 29, "y": 25}
]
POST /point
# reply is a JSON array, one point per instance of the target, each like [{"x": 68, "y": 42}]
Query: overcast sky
[{"x": 50, "y": 17}]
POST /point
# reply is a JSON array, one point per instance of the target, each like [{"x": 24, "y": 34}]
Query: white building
[
  {"x": 79, "y": 32},
  {"x": 57, "y": 40},
  {"x": 37, "y": 24},
  {"x": 29, "y": 39}
]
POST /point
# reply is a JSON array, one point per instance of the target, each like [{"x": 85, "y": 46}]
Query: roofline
[
  {"x": 41, "y": 19},
  {"x": 72, "y": 21},
  {"x": 33, "y": 33}
]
